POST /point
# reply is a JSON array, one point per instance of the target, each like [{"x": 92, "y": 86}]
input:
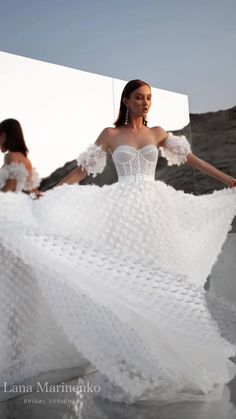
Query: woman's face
[
  {"x": 2, "y": 141},
  {"x": 139, "y": 102}
]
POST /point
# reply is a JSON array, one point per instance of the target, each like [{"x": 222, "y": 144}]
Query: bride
[
  {"x": 17, "y": 173},
  {"x": 113, "y": 276}
]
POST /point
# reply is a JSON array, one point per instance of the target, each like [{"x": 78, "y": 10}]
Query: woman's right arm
[
  {"x": 88, "y": 161},
  {"x": 75, "y": 176}
]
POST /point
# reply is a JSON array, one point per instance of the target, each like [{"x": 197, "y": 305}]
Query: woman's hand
[
  {"x": 36, "y": 194},
  {"x": 210, "y": 170},
  {"x": 231, "y": 182}
]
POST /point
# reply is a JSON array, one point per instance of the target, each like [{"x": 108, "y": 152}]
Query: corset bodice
[{"x": 136, "y": 165}]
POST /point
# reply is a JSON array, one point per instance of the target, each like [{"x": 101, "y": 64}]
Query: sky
[{"x": 184, "y": 46}]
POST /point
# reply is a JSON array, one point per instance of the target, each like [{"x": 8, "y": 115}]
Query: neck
[{"x": 135, "y": 123}]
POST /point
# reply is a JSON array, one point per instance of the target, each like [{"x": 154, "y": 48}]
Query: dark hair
[
  {"x": 14, "y": 136},
  {"x": 128, "y": 89}
]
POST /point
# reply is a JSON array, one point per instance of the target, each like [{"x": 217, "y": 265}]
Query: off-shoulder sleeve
[
  {"x": 93, "y": 159},
  {"x": 175, "y": 149},
  {"x": 14, "y": 171},
  {"x": 32, "y": 181},
  {"x": 3, "y": 177}
]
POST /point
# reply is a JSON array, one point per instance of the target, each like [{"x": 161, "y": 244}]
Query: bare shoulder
[
  {"x": 16, "y": 157},
  {"x": 104, "y": 138},
  {"x": 12, "y": 157},
  {"x": 160, "y": 135}
]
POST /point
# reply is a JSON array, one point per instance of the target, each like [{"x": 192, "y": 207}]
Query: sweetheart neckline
[{"x": 134, "y": 148}]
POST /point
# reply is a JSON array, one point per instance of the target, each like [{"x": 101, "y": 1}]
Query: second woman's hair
[
  {"x": 14, "y": 136},
  {"x": 128, "y": 89}
]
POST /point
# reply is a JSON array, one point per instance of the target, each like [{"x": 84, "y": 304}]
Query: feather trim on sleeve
[
  {"x": 32, "y": 181},
  {"x": 16, "y": 171},
  {"x": 175, "y": 149},
  {"x": 93, "y": 159}
]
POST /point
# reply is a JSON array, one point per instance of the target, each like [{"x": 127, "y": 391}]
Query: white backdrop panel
[{"x": 62, "y": 109}]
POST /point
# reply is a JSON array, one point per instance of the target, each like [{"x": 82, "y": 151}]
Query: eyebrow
[{"x": 142, "y": 94}]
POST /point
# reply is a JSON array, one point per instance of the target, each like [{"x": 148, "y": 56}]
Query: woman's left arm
[
  {"x": 177, "y": 150},
  {"x": 210, "y": 170}
]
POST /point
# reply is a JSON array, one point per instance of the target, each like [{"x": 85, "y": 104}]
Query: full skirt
[{"x": 114, "y": 276}]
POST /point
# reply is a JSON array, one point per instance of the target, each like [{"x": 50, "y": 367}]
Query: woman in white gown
[
  {"x": 17, "y": 173},
  {"x": 114, "y": 275}
]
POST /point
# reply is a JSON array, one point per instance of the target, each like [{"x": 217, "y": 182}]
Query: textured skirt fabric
[{"x": 114, "y": 276}]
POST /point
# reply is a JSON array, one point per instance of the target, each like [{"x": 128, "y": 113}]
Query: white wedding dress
[{"x": 114, "y": 276}]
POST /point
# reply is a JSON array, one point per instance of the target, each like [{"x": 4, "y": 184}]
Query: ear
[{"x": 125, "y": 101}]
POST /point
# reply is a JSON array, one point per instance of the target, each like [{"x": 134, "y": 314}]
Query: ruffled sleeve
[
  {"x": 3, "y": 177},
  {"x": 32, "y": 181},
  {"x": 15, "y": 171},
  {"x": 175, "y": 149},
  {"x": 93, "y": 159}
]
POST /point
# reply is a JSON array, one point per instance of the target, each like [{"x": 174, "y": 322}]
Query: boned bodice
[{"x": 136, "y": 165}]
